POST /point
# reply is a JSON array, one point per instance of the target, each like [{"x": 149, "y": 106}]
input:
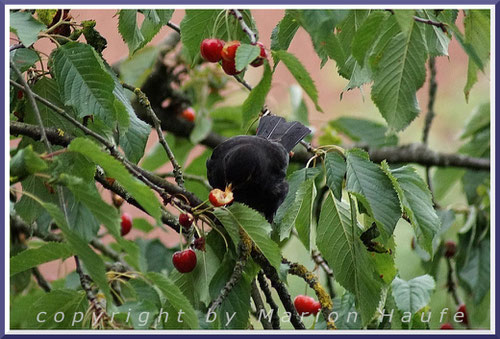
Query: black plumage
[{"x": 255, "y": 166}]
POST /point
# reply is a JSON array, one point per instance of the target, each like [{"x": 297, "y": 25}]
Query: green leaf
[
  {"x": 257, "y": 97},
  {"x": 344, "y": 306},
  {"x": 320, "y": 25},
  {"x": 477, "y": 35},
  {"x": 245, "y": 54},
  {"x": 93, "y": 37},
  {"x": 25, "y": 27},
  {"x": 255, "y": 225},
  {"x": 335, "y": 171},
  {"x": 143, "y": 225},
  {"x": 437, "y": 41},
  {"x": 202, "y": 127},
  {"x": 416, "y": 201},
  {"x": 337, "y": 238},
  {"x": 136, "y": 68},
  {"x": 26, "y": 162},
  {"x": 134, "y": 311},
  {"x": 300, "y": 214},
  {"x": 401, "y": 72},
  {"x": 414, "y": 294},
  {"x": 84, "y": 82},
  {"x": 93, "y": 263},
  {"x": 237, "y": 301},
  {"x": 46, "y": 15},
  {"x": 388, "y": 29},
  {"x": 283, "y": 33},
  {"x": 87, "y": 194},
  {"x": 47, "y": 88},
  {"x": 404, "y": 17},
  {"x": 444, "y": 179},
  {"x": 113, "y": 168},
  {"x": 373, "y": 189},
  {"x": 473, "y": 269},
  {"x": 134, "y": 37},
  {"x": 80, "y": 219},
  {"x": 23, "y": 58},
  {"x": 175, "y": 298},
  {"x": 26, "y": 207},
  {"x": 70, "y": 303},
  {"x": 366, "y": 131},
  {"x": 366, "y": 35},
  {"x": 294, "y": 182},
  {"x": 33, "y": 257},
  {"x": 300, "y": 74}
]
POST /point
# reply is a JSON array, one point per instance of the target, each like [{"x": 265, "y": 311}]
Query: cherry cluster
[{"x": 215, "y": 50}]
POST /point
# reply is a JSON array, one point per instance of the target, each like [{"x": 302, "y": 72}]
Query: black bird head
[{"x": 255, "y": 166}]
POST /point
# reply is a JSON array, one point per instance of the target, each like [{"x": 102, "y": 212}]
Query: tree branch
[
  {"x": 429, "y": 118},
  {"x": 441, "y": 25},
  {"x": 279, "y": 286},
  {"x": 259, "y": 306},
  {"x": 251, "y": 34},
  {"x": 422, "y": 155},
  {"x": 313, "y": 282},
  {"x": 245, "y": 248},
  {"x": 40, "y": 279},
  {"x": 144, "y": 101},
  {"x": 275, "y": 318}
]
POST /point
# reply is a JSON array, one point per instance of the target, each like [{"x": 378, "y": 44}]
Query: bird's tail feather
[{"x": 276, "y": 128}]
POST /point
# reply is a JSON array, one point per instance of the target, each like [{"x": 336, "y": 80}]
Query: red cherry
[
  {"x": 220, "y": 198},
  {"x": 450, "y": 249},
  {"x": 462, "y": 309},
  {"x": 126, "y": 223},
  {"x": 229, "y": 67},
  {"x": 447, "y": 326},
  {"x": 229, "y": 50},
  {"x": 263, "y": 55},
  {"x": 211, "y": 49},
  {"x": 185, "y": 220},
  {"x": 184, "y": 261},
  {"x": 189, "y": 114},
  {"x": 20, "y": 94},
  {"x": 306, "y": 305}
]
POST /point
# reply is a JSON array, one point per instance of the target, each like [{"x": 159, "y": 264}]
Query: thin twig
[
  {"x": 86, "y": 283},
  {"x": 111, "y": 147},
  {"x": 259, "y": 306},
  {"x": 174, "y": 27},
  {"x": 245, "y": 248},
  {"x": 429, "y": 118},
  {"x": 188, "y": 176},
  {"x": 34, "y": 106},
  {"x": 441, "y": 25},
  {"x": 318, "y": 259},
  {"x": 144, "y": 101},
  {"x": 275, "y": 318},
  {"x": 15, "y": 46},
  {"x": 280, "y": 288},
  {"x": 31, "y": 99},
  {"x": 251, "y": 34},
  {"x": 40, "y": 279}
]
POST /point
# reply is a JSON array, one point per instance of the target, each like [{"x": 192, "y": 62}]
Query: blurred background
[{"x": 451, "y": 108}]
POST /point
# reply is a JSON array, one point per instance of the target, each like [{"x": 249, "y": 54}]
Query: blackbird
[{"x": 254, "y": 167}]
